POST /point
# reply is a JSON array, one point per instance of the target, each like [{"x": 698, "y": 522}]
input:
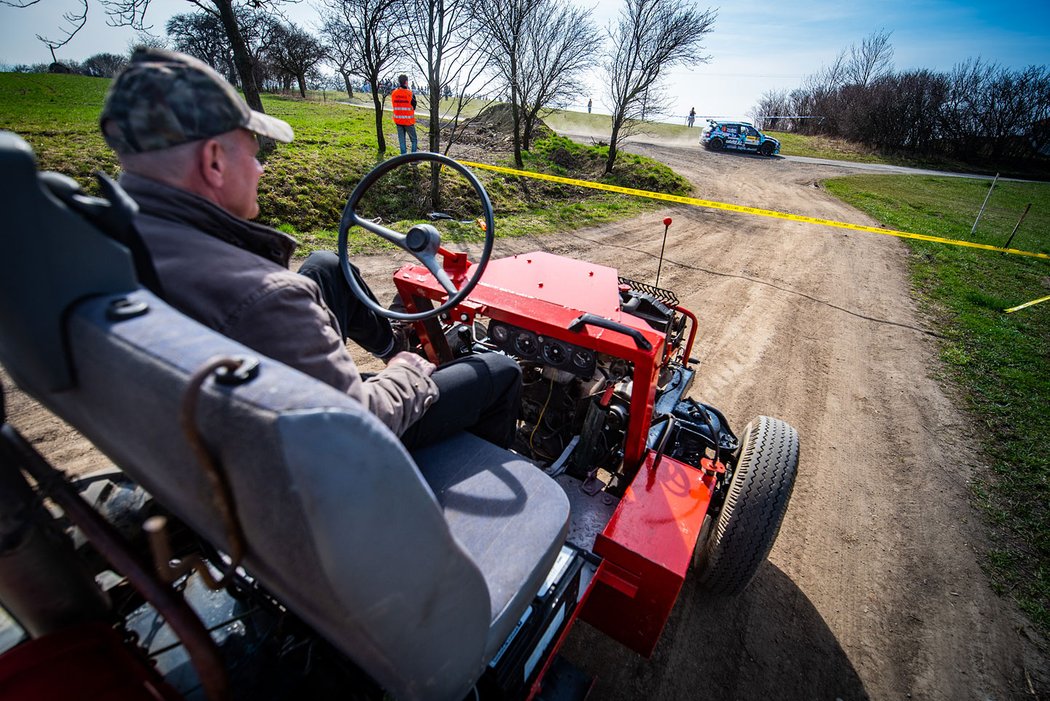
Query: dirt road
[{"x": 873, "y": 589}]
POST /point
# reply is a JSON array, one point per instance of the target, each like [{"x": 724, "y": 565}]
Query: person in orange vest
[{"x": 404, "y": 104}]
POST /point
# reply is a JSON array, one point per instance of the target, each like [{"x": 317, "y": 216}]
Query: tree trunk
[
  {"x": 613, "y": 138},
  {"x": 302, "y": 85},
  {"x": 349, "y": 87},
  {"x": 242, "y": 59},
  {"x": 515, "y": 112},
  {"x": 435, "y": 135},
  {"x": 526, "y": 131},
  {"x": 377, "y": 103}
]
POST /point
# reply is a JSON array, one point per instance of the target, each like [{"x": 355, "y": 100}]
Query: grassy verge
[
  {"x": 842, "y": 150},
  {"x": 307, "y": 182},
  {"x": 999, "y": 360}
]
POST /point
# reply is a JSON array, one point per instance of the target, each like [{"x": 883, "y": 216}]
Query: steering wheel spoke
[
  {"x": 423, "y": 241},
  {"x": 438, "y": 271},
  {"x": 380, "y": 230}
]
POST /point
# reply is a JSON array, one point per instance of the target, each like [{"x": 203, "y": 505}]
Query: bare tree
[
  {"x": 560, "y": 43},
  {"x": 339, "y": 45},
  {"x": 202, "y": 35},
  {"x": 103, "y": 65},
  {"x": 772, "y": 110},
  {"x": 296, "y": 52},
  {"x": 1011, "y": 103},
  {"x": 503, "y": 27},
  {"x": 119, "y": 13},
  {"x": 650, "y": 37},
  {"x": 373, "y": 39},
  {"x": 870, "y": 60},
  {"x": 260, "y": 30},
  {"x": 226, "y": 11},
  {"x": 976, "y": 111},
  {"x": 146, "y": 39},
  {"x": 439, "y": 33},
  {"x": 132, "y": 13},
  {"x": 962, "y": 104},
  {"x": 439, "y": 37}
]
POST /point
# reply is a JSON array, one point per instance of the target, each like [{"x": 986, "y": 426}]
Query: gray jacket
[{"x": 232, "y": 275}]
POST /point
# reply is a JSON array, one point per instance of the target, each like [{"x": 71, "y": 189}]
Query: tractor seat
[{"x": 416, "y": 566}]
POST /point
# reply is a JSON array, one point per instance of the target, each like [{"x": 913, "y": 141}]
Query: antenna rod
[{"x": 659, "y": 267}]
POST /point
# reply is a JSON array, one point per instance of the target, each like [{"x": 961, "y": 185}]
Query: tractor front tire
[{"x": 753, "y": 510}]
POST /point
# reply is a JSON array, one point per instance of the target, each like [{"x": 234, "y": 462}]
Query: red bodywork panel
[
  {"x": 545, "y": 293},
  {"x": 647, "y": 549},
  {"x": 88, "y": 661}
]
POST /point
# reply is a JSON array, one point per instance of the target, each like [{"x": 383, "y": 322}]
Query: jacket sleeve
[{"x": 290, "y": 323}]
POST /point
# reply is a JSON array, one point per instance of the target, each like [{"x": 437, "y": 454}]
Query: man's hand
[{"x": 421, "y": 364}]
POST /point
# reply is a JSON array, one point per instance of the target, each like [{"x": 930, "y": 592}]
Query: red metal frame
[
  {"x": 545, "y": 293},
  {"x": 647, "y": 547}
]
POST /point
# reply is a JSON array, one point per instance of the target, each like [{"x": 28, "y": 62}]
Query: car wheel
[
  {"x": 754, "y": 507},
  {"x": 716, "y": 144},
  {"x": 766, "y": 149}
]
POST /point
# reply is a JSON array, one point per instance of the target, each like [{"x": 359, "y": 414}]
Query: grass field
[
  {"x": 307, "y": 182},
  {"x": 1000, "y": 361}
]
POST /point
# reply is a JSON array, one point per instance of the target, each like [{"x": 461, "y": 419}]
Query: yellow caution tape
[
  {"x": 750, "y": 210},
  {"x": 1027, "y": 304}
]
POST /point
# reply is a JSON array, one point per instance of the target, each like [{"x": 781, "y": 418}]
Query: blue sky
[{"x": 754, "y": 47}]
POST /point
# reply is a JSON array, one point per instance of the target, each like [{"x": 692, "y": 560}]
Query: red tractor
[{"x": 300, "y": 551}]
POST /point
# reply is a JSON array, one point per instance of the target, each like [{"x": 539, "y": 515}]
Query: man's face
[{"x": 241, "y": 188}]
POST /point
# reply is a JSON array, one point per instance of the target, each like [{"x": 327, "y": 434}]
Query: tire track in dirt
[{"x": 873, "y": 588}]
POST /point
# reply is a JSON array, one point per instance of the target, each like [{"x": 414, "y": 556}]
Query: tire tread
[{"x": 754, "y": 507}]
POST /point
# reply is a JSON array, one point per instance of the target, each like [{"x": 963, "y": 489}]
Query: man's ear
[{"x": 212, "y": 163}]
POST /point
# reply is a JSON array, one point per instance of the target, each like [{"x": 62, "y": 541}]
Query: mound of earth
[{"x": 493, "y": 129}]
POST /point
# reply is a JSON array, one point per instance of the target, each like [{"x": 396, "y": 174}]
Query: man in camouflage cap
[
  {"x": 187, "y": 144},
  {"x": 165, "y": 99}
]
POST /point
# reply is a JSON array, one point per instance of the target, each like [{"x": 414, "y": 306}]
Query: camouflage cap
[{"x": 165, "y": 99}]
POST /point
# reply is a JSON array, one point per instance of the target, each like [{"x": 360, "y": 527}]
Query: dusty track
[{"x": 873, "y": 589}]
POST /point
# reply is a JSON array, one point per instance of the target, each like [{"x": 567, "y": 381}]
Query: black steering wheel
[{"x": 422, "y": 241}]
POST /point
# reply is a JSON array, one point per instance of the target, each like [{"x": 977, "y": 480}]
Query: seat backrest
[
  {"x": 52, "y": 257},
  {"x": 339, "y": 524}
]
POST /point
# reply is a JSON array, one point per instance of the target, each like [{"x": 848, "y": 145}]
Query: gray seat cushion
[{"x": 508, "y": 515}]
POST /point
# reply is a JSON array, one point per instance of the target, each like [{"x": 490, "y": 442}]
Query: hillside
[{"x": 307, "y": 182}]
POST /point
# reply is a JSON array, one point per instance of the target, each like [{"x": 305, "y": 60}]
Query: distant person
[
  {"x": 588, "y": 105},
  {"x": 404, "y": 104},
  {"x": 692, "y": 116}
]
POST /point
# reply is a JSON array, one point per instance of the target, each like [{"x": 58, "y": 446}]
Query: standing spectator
[
  {"x": 692, "y": 116},
  {"x": 404, "y": 104},
  {"x": 589, "y": 105}
]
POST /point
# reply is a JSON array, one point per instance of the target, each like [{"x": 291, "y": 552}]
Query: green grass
[
  {"x": 842, "y": 150},
  {"x": 307, "y": 182},
  {"x": 824, "y": 147},
  {"x": 1000, "y": 361}
]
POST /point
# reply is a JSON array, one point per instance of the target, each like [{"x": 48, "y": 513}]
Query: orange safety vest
[{"x": 401, "y": 101}]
